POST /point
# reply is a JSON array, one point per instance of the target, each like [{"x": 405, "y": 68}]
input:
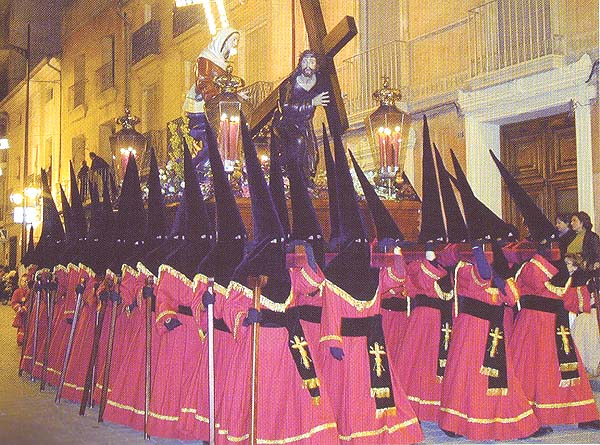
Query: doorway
[{"x": 542, "y": 156}]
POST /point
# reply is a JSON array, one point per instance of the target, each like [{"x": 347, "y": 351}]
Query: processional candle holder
[
  {"x": 388, "y": 130},
  {"x": 224, "y": 114},
  {"x": 127, "y": 140}
]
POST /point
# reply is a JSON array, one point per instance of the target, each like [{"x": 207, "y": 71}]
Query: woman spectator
[
  {"x": 585, "y": 242},
  {"x": 585, "y": 329},
  {"x": 565, "y": 233}
]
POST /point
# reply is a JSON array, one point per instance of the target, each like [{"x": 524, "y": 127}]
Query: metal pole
[
  {"x": 26, "y": 141},
  {"x": 211, "y": 364}
]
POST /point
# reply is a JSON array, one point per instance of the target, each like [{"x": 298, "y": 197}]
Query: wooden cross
[
  {"x": 300, "y": 344},
  {"x": 564, "y": 333},
  {"x": 327, "y": 45},
  {"x": 447, "y": 330},
  {"x": 378, "y": 351},
  {"x": 496, "y": 335}
]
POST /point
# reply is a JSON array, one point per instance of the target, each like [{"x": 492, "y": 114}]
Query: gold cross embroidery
[
  {"x": 564, "y": 333},
  {"x": 496, "y": 335},
  {"x": 378, "y": 351},
  {"x": 447, "y": 330},
  {"x": 300, "y": 344}
]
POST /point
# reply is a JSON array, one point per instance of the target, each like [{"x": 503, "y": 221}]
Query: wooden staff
[
  {"x": 36, "y": 320},
  {"x": 50, "y": 295},
  {"x": 148, "y": 294},
  {"x": 79, "y": 290},
  {"x": 257, "y": 284},
  {"x": 89, "y": 377},
  {"x": 116, "y": 300},
  {"x": 211, "y": 364},
  {"x": 26, "y": 329}
]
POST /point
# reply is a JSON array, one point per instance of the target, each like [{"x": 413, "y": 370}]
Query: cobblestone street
[{"x": 28, "y": 416}]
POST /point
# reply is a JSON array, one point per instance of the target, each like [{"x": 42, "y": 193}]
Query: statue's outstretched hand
[{"x": 321, "y": 99}]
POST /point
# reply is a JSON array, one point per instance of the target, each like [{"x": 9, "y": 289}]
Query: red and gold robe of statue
[
  {"x": 42, "y": 329},
  {"x": 349, "y": 382},
  {"x": 473, "y": 404},
  {"x": 60, "y": 328},
  {"x": 291, "y": 409},
  {"x": 126, "y": 397},
  {"x": 83, "y": 339},
  {"x": 560, "y": 393},
  {"x": 427, "y": 338},
  {"x": 18, "y": 302},
  {"x": 195, "y": 407},
  {"x": 177, "y": 350},
  {"x": 394, "y": 313}
]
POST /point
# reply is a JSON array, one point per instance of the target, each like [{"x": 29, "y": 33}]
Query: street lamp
[
  {"x": 25, "y": 211},
  {"x": 388, "y": 130}
]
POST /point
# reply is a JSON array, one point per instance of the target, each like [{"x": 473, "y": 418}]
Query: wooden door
[{"x": 541, "y": 154}]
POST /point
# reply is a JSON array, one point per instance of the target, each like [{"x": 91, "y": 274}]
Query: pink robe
[
  {"x": 126, "y": 397},
  {"x": 60, "y": 328},
  {"x": 177, "y": 351},
  {"x": 419, "y": 352},
  {"x": 392, "y": 286},
  {"x": 349, "y": 381},
  {"x": 534, "y": 350},
  {"x": 287, "y": 413},
  {"x": 470, "y": 406},
  {"x": 83, "y": 339}
]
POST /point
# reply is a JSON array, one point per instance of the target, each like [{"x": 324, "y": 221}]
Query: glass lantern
[
  {"x": 125, "y": 141},
  {"x": 388, "y": 131},
  {"x": 224, "y": 114}
]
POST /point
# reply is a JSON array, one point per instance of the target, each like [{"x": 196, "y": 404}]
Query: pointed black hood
[
  {"x": 432, "y": 222},
  {"x": 481, "y": 221},
  {"x": 52, "y": 239},
  {"x": 455, "y": 223},
  {"x": 277, "y": 189},
  {"x": 70, "y": 235},
  {"x": 540, "y": 227},
  {"x": 131, "y": 221},
  {"x": 334, "y": 221},
  {"x": 228, "y": 252},
  {"x": 305, "y": 222},
  {"x": 156, "y": 230},
  {"x": 354, "y": 260},
  {"x": 199, "y": 232},
  {"x": 267, "y": 254},
  {"x": 29, "y": 257},
  {"x": 79, "y": 221},
  {"x": 384, "y": 223}
]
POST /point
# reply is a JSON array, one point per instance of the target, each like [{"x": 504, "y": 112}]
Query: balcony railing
[
  {"x": 185, "y": 18},
  {"x": 77, "y": 94},
  {"x": 105, "y": 77},
  {"x": 145, "y": 41},
  {"x": 504, "y": 33},
  {"x": 361, "y": 74}
]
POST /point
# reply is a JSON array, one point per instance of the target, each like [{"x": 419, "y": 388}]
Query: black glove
[
  {"x": 147, "y": 291},
  {"x": 70, "y": 320},
  {"x": 208, "y": 298},
  {"x": 80, "y": 287},
  {"x": 483, "y": 267},
  {"x": 337, "y": 353},
  {"x": 254, "y": 316},
  {"x": 115, "y": 297},
  {"x": 132, "y": 306},
  {"x": 172, "y": 323}
]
